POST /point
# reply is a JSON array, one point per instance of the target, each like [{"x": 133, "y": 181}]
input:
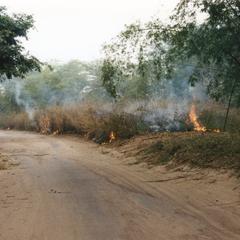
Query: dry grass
[
  {"x": 98, "y": 120},
  {"x": 206, "y": 150},
  {"x": 213, "y": 116},
  {"x": 85, "y": 119},
  {"x": 97, "y": 124},
  {"x": 215, "y": 150},
  {"x": 18, "y": 121}
]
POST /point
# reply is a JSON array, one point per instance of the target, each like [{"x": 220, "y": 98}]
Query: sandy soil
[{"x": 63, "y": 188}]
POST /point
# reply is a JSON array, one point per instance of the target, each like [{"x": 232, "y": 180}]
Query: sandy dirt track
[{"x": 63, "y": 188}]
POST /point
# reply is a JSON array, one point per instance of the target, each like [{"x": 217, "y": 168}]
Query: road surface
[{"x": 63, "y": 188}]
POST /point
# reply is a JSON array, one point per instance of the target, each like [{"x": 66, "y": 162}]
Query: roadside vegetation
[
  {"x": 201, "y": 150},
  {"x": 176, "y": 81}
]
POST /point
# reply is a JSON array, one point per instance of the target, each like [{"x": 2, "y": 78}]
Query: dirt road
[{"x": 63, "y": 188}]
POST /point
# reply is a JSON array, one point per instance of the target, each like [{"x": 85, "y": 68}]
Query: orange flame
[
  {"x": 194, "y": 119},
  {"x": 44, "y": 124},
  {"x": 112, "y": 137},
  {"x": 56, "y": 132}
]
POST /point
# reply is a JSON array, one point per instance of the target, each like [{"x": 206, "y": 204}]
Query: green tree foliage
[
  {"x": 13, "y": 61},
  {"x": 59, "y": 84},
  {"x": 201, "y": 34},
  {"x": 8, "y": 102},
  {"x": 136, "y": 58},
  {"x": 214, "y": 43},
  {"x": 109, "y": 77},
  {"x": 56, "y": 85}
]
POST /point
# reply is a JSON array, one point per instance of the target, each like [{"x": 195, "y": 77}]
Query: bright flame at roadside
[
  {"x": 112, "y": 137},
  {"x": 56, "y": 132},
  {"x": 44, "y": 124},
  {"x": 194, "y": 119}
]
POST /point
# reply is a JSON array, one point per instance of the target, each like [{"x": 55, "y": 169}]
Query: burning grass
[
  {"x": 101, "y": 125},
  {"x": 98, "y": 124},
  {"x": 197, "y": 149},
  {"x": 199, "y": 144},
  {"x": 109, "y": 122},
  {"x": 197, "y": 126},
  {"x": 212, "y": 116}
]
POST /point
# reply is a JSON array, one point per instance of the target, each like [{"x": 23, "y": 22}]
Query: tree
[
  {"x": 58, "y": 84},
  {"x": 13, "y": 61},
  {"x": 215, "y": 43},
  {"x": 201, "y": 33},
  {"x": 135, "y": 55},
  {"x": 109, "y": 77}
]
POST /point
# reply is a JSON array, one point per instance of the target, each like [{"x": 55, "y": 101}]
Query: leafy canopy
[
  {"x": 214, "y": 43},
  {"x": 14, "y": 62},
  {"x": 204, "y": 34}
]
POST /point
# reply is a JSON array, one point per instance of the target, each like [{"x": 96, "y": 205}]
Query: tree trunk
[{"x": 229, "y": 104}]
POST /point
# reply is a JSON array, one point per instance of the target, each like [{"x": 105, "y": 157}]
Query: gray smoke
[
  {"x": 165, "y": 107},
  {"x": 24, "y": 102}
]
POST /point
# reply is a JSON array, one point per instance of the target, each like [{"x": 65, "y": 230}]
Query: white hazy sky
[{"x": 77, "y": 29}]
